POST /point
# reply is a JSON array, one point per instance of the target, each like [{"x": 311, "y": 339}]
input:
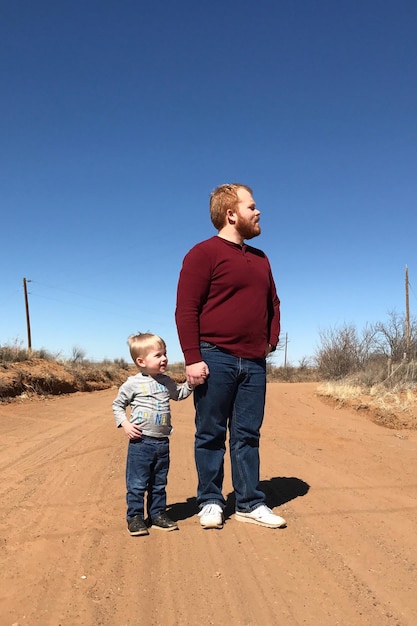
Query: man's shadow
[{"x": 278, "y": 491}]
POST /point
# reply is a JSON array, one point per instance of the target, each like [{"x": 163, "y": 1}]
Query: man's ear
[{"x": 231, "y": 216}]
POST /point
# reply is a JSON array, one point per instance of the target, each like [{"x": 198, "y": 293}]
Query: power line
[
  {"x": 74, "y": 293},
  {"x": 89, "y": 308}
]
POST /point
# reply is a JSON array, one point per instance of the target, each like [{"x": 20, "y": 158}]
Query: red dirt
[{"x": 346, "y": 486}]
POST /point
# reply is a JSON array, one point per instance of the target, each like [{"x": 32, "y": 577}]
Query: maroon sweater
[{"x": 227, "y": 296}]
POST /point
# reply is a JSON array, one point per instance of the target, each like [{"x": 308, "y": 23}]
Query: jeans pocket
[{"x": 206, "y": 346}]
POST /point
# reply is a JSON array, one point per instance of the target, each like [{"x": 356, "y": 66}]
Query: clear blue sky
[{"x": 118, "y": 118}]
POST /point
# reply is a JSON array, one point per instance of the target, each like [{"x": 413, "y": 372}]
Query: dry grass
[
  {"x": 339, "y": 390},
  {"x": 393, "y": 408},
  {"x": 402, "y": 401}
]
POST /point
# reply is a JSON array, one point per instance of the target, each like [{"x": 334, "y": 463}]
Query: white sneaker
[
  {"x": 211, "y": 516},
  {"x": 263, "y": 516}
]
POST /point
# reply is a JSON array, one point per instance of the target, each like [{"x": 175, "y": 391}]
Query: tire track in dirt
[
  {"x": 359, "y": 516},
  {"x": 346, "y": 487}
]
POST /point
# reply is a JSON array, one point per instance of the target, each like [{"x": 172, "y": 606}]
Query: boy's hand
[{"x": 132, "y": 431}]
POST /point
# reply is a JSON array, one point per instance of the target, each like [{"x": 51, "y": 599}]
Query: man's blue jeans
[
  {"x": 147, "y": 468},
  {"x": 233, "y": 397}
]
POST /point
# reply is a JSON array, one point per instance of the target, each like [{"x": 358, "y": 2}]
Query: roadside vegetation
[
  {"x": 25, "y": 373},
  {"x": 373, "y": 370}
]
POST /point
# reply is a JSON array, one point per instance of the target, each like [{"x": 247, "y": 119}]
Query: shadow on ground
[{"x": 278, "y": 491}]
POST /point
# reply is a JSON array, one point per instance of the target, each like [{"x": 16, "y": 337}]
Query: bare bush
[
  {"x": 373, "y": 372},
  {"x": 341, "y": 352},
  {"x": 78, "y": 354},
  {"x": 122, "y": 363},
  {"x": 375, "y": 356},
  {"x": 290, "y": 374},
  {"x": 390, "y": 337}
]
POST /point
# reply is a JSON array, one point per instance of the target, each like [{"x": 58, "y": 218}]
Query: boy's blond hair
[
  {"x": 224, "y": 197},
  {"x": 141, "y": 343}
]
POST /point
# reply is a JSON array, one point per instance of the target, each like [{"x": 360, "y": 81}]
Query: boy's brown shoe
[
  {"x": 137, "y": 526},
  {"x": 163, "y": 522}
]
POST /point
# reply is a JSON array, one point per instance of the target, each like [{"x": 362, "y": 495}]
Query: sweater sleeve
[
  {"x": 192, "y": 292},
  {"x": 274, "y": 315}
]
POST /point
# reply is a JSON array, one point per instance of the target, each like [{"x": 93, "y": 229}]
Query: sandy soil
[{"x": 346, "y": 486}]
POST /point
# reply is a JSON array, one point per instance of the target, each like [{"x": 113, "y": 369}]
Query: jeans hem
[
  {"x": 252, "y": 509},
  {"x": 218, "y": 502}
]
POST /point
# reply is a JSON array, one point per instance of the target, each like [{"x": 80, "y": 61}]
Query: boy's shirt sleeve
[
  {"x": 120, "y": 404},
  {"x": 178, "y": 392},
  {"x": 184, "y": 391}
]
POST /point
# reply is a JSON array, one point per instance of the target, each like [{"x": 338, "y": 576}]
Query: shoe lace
[
  {"x": 264, "y": 510},
  {"x": 210, "y": 509}
]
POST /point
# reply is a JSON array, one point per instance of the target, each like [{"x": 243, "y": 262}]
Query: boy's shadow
[
  {"x": 183, "y": 510},
  {"x": 278, "y": 491}
]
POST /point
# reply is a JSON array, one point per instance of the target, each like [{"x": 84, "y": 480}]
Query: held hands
[
  {"x": 132, "y": 431},
  {"x": 197, "y": 373}
]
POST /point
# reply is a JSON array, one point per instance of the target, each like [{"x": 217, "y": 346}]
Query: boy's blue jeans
[
  {"x": 233, "y": 397},
  {"x": 147, "y": 468}
]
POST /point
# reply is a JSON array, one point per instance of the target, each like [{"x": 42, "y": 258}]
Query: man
[{"x": 228, "y": 320}]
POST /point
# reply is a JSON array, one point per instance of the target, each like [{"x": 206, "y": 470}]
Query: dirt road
[{"x": 347, "y": 487}]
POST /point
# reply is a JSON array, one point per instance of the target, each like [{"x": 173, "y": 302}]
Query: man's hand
[
  {"x": 269, "y": 348},
  {"x": 197, "y": 373},
  {"x": 132, "y": 431}
]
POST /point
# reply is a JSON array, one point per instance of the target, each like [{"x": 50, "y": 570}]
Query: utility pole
[
  {"x": 285, "y": 353},
  {"x": 407, "y": 314},
  {"x": 25, "y": 281}
]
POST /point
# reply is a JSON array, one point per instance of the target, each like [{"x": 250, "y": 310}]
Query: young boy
[{"x": 148, "y": 429}]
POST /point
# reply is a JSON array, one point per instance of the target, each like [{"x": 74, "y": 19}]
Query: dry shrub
[
  {"x": 291, "y": 374},
  {"x": 15, "y": 353},
  {"x": 392, "y": 408},
  {"x": 37, "y": 376}
]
